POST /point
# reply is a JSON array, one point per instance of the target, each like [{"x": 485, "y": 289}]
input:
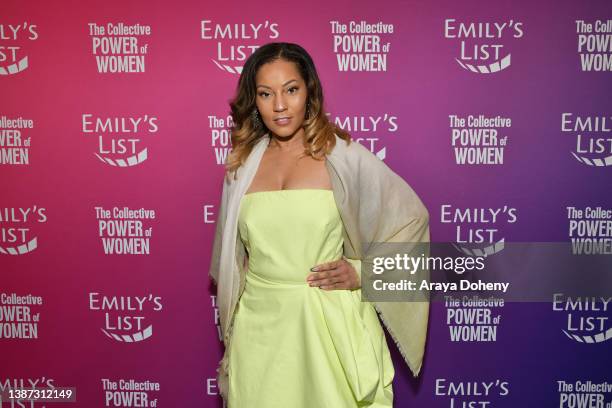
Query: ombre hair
[{"x": 319, "y": 131}]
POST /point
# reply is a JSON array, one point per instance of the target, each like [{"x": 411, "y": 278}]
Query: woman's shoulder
[
  {"x": 356, "y": 155},
  {"x": 371, "y": 171},
  {"x": 351, "y": 148}
]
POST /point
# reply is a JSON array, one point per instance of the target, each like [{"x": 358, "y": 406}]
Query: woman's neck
[{"x": 288, "y": 144}]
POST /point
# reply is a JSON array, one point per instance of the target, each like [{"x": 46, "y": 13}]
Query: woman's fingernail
[{"x": 314, "y": 269}]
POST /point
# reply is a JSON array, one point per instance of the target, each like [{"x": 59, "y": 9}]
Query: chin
[{"x": 283, "y": 131}]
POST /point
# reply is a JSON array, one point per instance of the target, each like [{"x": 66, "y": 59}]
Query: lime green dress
[{"x": 294, "y": 345}]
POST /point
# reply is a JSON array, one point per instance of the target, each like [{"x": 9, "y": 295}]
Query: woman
[{"x": 299, "y": 201}]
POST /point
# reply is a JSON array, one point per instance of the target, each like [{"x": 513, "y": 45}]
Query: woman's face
[{"x": 281, "y": 97}]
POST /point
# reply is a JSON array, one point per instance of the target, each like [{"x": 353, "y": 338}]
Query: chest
[{"x": 279, "y": 171}]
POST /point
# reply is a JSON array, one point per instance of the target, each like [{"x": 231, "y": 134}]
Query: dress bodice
[{"x": 287, "y": 232}]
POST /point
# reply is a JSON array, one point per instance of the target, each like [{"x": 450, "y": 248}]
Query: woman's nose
[{"x": 279, "y": 104}]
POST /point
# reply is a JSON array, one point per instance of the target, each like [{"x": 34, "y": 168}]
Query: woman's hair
[{"x": 319, "y": 131}]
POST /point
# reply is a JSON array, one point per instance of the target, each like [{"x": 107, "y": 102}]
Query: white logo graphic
[
  {"x": 17, "y": 319},
  {"x": 471, "y": 318},
  {"x": 593, "y": 144},
  {"x": 120, "y": 139},
  {"x": 587, "y": 394},
  {"x": 123, "y": 231},
  {"x": 130, "y": 393},
  {"x": 359, "y": 46},
  {"x": 595, "y": 45},
  {"x": 14, "y": 148},
  {"x": 12, "y": 39},
  {"x": 464, "y": 394},
  {"x": 125, "y": 316},
  {"x": 477, "y": 140},
  {"x": 587, "y": 317},
  {"x": 590, "y": 230},
  {"x": 220, "y": 136},
  {"x": 483, "y": 45},
  {"x": 116, "y": 47},
  {"x": 16, "y": 229},
  {"x": 480, "y": 226},
  {"x": 234, "y": 41}
]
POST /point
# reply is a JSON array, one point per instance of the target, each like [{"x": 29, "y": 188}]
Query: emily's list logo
[
  {"x": 13, "y": 39},
  {"x": 17, "y": 236},
  {"x": 121, "y": 140},
  {"x": 235, "y": 42},
  {"x": 479, "y": 231},
  {"x": 483, "y": 46},
  {"x": 126, "y": 318},
  {"x": 593, "y": 140},
  {"x": 588, "y": 318}
]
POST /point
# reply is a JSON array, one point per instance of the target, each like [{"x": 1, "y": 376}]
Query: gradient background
[{"x": 182, "y": 87}]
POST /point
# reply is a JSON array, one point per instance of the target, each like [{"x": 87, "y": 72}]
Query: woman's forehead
[{"x": 278, "y": 72}]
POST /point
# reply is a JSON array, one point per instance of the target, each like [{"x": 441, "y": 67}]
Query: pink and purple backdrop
[{"x": 150, "y": 135}]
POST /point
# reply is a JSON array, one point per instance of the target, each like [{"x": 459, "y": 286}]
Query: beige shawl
[{"x": 376, "y": 206}]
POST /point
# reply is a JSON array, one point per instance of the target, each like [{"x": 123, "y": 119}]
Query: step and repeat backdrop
[{"x": 113, "y": 135}]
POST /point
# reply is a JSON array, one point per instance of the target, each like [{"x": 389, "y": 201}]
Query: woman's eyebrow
[{"x": 285, "y": 84}]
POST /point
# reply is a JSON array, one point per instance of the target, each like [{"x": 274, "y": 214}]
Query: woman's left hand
[{"x": 333, "y": 275}]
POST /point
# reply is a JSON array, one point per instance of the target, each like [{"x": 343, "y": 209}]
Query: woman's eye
[
  {"x": 263, "y": 94},
  {"x": 292, "y": 89}
]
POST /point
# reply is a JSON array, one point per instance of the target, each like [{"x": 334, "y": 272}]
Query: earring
[
  {"x": 255, "y": 118},
  {"x": 308, "y": 110}
]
